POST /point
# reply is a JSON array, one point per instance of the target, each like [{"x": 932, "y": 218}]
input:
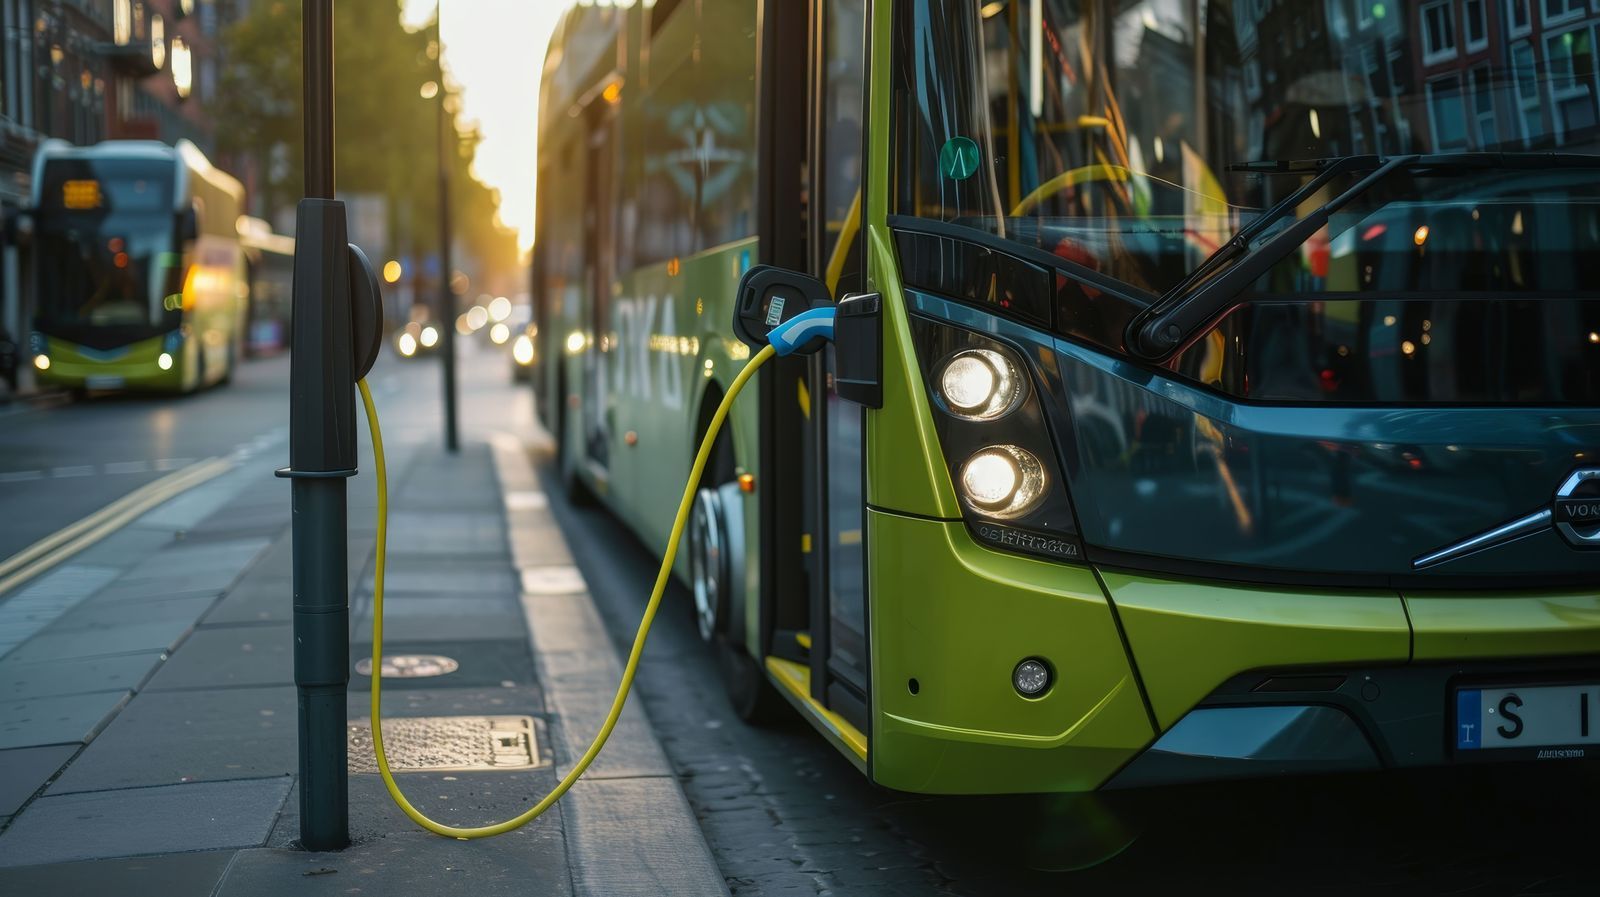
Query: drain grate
[
  {"x": 410, "y": 666},
  {"x": 418, "y": 743}
]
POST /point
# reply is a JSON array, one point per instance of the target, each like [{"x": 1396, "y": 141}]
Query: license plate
[
  {"x": 103, "y": 381},
  {"x": 1540, "y": 716}
]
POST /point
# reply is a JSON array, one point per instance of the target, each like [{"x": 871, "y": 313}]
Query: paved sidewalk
[{"x": 147, "y": 707}]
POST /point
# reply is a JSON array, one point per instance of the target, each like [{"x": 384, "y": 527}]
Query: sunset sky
[{"x": 495, "y": 49}]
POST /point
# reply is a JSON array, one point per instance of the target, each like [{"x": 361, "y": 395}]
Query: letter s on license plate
[{"x": 1532, "y": 717}]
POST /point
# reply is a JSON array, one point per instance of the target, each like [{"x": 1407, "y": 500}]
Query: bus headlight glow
[
  {"x": 499, "y": 333},
  {"x": 980, "y": 384},
  {"x": 430, "y": 336},
  {"x": 164, "y": 361},
  {"x": 522, "y": 350},
  {"x": 1002, "y": 481},
  {"x": 407, "y": 344},
  {"x": 42, "y": 362}
]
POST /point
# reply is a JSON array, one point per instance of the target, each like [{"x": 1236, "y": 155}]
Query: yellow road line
[{"x": 69, "y": 540}]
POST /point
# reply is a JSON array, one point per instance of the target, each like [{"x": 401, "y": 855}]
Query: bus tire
[
  {"x": 572, "y": 485},
  {"x": 712, "y": 561}
]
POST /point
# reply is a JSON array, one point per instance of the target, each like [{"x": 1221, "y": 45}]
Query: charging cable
[{"x": 812, "y": 328}]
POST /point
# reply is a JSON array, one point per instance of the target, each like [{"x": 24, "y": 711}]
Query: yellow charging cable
[{"x": 572, "y": 776}]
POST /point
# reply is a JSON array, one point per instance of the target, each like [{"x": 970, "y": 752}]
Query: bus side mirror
[{"x": 189, "y": 224}]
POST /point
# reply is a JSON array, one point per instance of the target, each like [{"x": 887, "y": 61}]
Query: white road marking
[
  {"x": 20, "y": 476},
  {"x": 75, "y": 470},
  {"x": 128, "y": 467}
]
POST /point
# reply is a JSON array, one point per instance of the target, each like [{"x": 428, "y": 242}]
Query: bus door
[
  {"x": 599, "y": 401},
  {"x": 838, "y": 606}
]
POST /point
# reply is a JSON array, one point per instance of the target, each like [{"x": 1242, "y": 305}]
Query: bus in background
[
  {"x": 138, "y": 272},
  {"x": 269, "y": 287},
  {"x": 1220, "y": 404}
]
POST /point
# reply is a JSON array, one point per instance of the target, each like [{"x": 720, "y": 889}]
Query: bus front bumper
[
  {"x": 1159, "y": 681},
  {"x": 134, "y": 367}
]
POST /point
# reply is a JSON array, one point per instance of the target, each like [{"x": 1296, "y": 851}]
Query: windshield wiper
[{"x": 1213, "y": 286}]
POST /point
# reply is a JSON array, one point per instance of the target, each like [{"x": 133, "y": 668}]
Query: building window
[
  {"x": 1438, "y": 32},
  {"x": 1569, "y": 60},
  {"x": 1518, "y": 22},
  {"x": 1483, "y": 107},
  {"x": 1526, "y": 66},
  {"x": 1562, "y": 10},
  {"x": 1446, "y": 115},
  {"x": 1476, "y": 18}
]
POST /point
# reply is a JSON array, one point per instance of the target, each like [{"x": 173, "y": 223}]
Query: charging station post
[{"x": 322, "y": 454}]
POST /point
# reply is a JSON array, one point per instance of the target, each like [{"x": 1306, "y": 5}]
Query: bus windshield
[
  {"x": 1112, "y": 134},
  {"x": 104, "y": 234}
]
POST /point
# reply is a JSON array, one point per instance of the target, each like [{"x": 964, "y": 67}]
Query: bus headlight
[
  {"x": 522, "y": 350},
  {"x": 980, "y": 384},
  {"x": 1003, "y": 481},
  {"x": 990, "y": 412},
  {"x": 164, "y": 361},
  {"x": 42, "y": 362}
]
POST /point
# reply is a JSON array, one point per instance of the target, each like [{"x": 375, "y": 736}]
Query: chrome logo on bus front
[
  {"x": 1577, "y": 508},
  {"x": 1575, "y": 513}
]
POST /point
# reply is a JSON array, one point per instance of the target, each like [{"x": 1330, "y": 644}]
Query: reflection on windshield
[
  {"x": 105, "y": 235},
  {"x": 1105, "y": 131}
]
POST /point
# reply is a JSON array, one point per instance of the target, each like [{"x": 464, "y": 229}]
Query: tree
[{"x": 386, "y": 132}]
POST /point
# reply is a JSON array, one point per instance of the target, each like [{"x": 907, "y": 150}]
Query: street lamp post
[{"x": 447, "y": 296}]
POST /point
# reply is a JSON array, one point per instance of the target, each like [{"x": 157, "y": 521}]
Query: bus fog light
[
  {"x": 42, "y": 362},
  {"x": 980, "y": 384},
  {"x": 164, "y": 361},
  {"x": 1002, "y": 481},
  {"x": 1031, "y": 678}
]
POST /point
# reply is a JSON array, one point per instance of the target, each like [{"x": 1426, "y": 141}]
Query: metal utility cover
[
  {"x": 426, "y": 743},
  {"x": 410, "y": 666}
]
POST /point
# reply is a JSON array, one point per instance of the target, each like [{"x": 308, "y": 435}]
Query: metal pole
[
  {"x": 322, "y": 453},
  {"x": 447, "y": 296}
]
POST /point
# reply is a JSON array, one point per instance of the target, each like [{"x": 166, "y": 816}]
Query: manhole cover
[
  {"x": 415, "y": 743},
  {"x": 552, "y": 580},
  {"x": 410, "y": 666}
]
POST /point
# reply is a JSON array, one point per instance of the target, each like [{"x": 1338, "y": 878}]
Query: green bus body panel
[
  {"x": 905, "y": 466},
  {"x": 957, "y": 618},
  {"x": 136, "y": 365},
  {"x": 1190, "y": 637},
  {"x": 1461, "y": 626}
]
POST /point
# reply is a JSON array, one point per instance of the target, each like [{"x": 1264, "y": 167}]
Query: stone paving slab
[
  {"x": 230, "y": 656},
  {"x": 166, "y": 738},
  {"x": 172, "y": 875},
  {"x": 92, "y": 631},
  {"x": 255, "y": 600},
  {"x": 63, "y": 719},
  {"x": 20, "y": 680},
  {"x": 24, "y": 770},
  {"x": 413, "y": 618},
  {"x": 525, "y": 862},
  {"x": 171, "y": 819},
  {"x": 630, "y": 838},
  {"x": 205, "y": 565}
]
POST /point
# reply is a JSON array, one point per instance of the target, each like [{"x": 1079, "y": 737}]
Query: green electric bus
[
  {"x": 1222, "y": 388},
  {"x": 137, "y": 271}
]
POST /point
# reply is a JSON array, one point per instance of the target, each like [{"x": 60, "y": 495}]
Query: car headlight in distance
[
  {"x": 499, "y": 333},
  {"x": 522, "y": 350},
  {"x": 980, "y": 384},
  {"x": 430, "y": 336},
  {"x": 407, "y": 344},
  {"x": 1002, "y": 481}
]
